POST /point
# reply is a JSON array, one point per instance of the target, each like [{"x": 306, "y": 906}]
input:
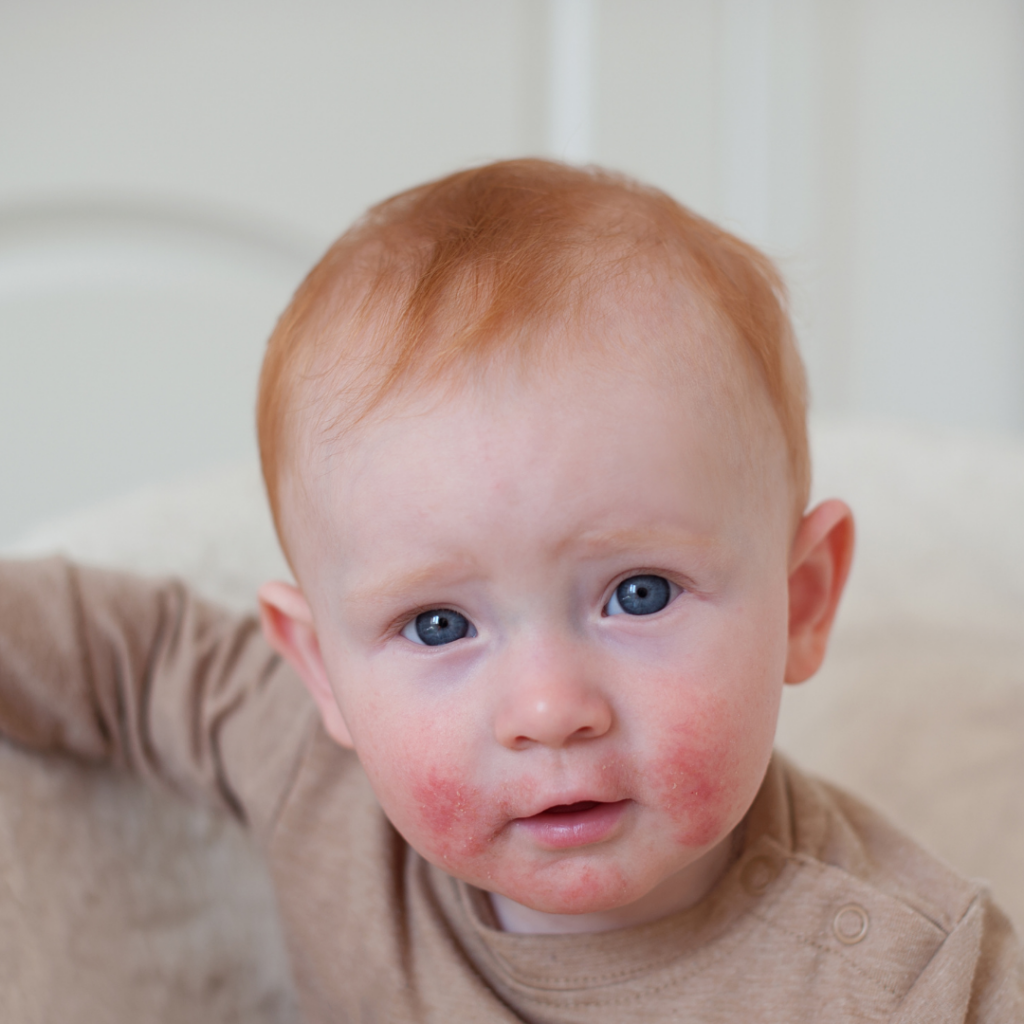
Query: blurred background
[{"x": 169, "y": 171}]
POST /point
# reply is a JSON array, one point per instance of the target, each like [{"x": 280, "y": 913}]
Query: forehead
[{"x": 635, "y": 359}]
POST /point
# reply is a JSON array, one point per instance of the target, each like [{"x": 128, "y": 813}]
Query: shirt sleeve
[
  {"x": 976, "y": 975},
  {"x": 141, "y": 673}
]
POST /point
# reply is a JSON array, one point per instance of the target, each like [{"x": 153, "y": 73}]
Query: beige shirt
[{"x": 827, "y": 912}]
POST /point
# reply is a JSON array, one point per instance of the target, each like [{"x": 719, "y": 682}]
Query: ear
[
  {"x": 818, "y": 566},
  {"x": 288, "y": 627}
]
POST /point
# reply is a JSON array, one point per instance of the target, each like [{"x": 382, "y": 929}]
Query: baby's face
[{"x": 553, "y": 616}]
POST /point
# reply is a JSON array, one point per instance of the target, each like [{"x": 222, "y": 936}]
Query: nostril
[{"x": 552, "y": 716}]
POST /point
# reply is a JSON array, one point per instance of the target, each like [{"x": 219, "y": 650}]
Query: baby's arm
[{"x": 141, "y": 673}]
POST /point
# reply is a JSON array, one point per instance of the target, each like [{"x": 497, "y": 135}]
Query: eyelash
[
  {"x": 402, "y": 622},
  {"x": 675, "y": 589},
  {"x": 441, "y": 613}
]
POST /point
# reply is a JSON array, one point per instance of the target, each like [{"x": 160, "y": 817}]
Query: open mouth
[
  {"x": 576, "y": 824},
  {"x": 582, "y": 805}
]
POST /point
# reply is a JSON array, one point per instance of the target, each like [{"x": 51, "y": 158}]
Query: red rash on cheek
[
  {"x": 448, "y": 812},
  {"x": 698, "y": 788}
]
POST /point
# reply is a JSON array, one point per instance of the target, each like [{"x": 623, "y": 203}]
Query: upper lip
[{"x": 567, "y": 799}]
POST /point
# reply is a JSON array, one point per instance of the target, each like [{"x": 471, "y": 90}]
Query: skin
[{"x": 522, "y": 503}]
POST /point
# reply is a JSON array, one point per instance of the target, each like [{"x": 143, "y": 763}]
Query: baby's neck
[{"x": 676, "y": 893}]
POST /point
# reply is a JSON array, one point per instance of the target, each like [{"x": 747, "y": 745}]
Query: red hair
[{"x": 452, "y": 271}]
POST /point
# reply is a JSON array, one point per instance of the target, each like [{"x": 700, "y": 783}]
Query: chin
[{"x": 586, "y": 889}]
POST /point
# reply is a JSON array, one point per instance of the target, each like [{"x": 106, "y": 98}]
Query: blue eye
[
  {"x": 640, "y": 595},
  {"x": 438, "y": 626}
]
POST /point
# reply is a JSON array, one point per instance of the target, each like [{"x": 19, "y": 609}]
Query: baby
[{"x": 534, "y": 440}]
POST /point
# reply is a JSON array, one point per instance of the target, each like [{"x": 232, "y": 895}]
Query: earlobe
[
  {"x": 288, "y": 627},
  {"x": 819, "y": 565}
]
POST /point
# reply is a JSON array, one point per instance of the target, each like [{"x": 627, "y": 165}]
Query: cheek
[
  {"x": 712, "y": 751},
  {"x": 707, "y": 770},
  {"x": 695, "y": 786},
  {"x": 446, "y": 815},
  {"x": 420, "y": 773},
  {"x": 430, "y": 799}
]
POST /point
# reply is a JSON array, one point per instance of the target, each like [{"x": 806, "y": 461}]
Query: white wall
[
  {"x": 168, "y": 171},
  {"x": 876, "y": 149}
]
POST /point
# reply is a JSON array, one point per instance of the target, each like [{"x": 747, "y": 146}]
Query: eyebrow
[
  {"x": 450, "y": 572},
  {"x": 392, "y": 586},
  {"x": 601, "y": 541}
]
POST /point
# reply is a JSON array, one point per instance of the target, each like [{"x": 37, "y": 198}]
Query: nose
[{"x": 549, "y": 699}]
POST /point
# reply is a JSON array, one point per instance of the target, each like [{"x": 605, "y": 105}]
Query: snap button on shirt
[
  {"x": 758, "y": 873},
  {"x": 851, "y": 924}
]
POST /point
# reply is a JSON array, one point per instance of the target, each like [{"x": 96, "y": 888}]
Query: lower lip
[{"x": 561, "y": 831}]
